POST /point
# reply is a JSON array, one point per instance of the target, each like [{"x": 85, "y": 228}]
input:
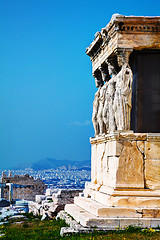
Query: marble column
[{"x": 10, "y": 185}]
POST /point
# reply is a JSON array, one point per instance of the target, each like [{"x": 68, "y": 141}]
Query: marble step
[
  {"x": 99, "y": 209},
  {"x": 87, "y": 219}
]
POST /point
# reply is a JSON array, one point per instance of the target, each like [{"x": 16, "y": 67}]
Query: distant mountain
[{"x": 48, "y": 163}]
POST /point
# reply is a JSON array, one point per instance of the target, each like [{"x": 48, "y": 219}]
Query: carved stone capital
[{"x": 123, "y": 56}]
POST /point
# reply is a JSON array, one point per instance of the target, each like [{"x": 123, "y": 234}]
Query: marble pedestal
[{"x": 125, "y": 182}]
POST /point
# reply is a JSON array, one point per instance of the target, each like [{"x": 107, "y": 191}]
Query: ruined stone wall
[
  {"x": 44, "y": 205},
  {"x": 26, "y": 187}
]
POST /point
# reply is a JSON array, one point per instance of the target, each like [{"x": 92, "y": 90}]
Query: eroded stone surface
[
  {"x": 151, "y": 213},
  {"x": 101, "y": 210},
  {"x": 133, "y": 136},
  {"x": 114, "y": 148},
  {"x": 53, "y": 202},
  {"x": 152, "y": 150},
  {"x": 130, "y": 170},
  {"x": 101, "y": 149},
  {"x": 87, "y": 219},
  {"x": 133, "y": 32},
  {"x": 152, "y": 174},
  {"x": 125, "y": 200},
  {"x": 121, "y": 163},
  {"x": 140, "y": 146},
  {"x": 94, "y": 163}
]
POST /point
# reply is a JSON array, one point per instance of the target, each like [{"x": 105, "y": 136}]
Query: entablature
[{"x": 124, "y": 32}]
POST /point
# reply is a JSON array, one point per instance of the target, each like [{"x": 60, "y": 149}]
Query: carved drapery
[
  {"x": 122, "y": 98},
  {"x": 96, "y": 103},
  {"x": 112, "y": 102}
]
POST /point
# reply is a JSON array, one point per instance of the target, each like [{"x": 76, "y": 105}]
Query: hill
[{"x": 47, "y": 163}]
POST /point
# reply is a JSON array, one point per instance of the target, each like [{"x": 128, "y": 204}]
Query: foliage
[
  {"x": 32, "y": 217},
  {"x": 34, "y": 229}
]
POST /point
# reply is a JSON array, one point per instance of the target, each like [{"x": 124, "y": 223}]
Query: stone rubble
[
  {"x": 74, "y": 227},
  {"x": 52, "y": 202},
  {"x": 45, "y": 216}
]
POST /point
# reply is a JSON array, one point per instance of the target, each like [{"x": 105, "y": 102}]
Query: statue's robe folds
[{"x": 122, "y": 99}]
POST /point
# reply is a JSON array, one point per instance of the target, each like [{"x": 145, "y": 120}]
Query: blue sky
[{"x": 46, "y": 86}]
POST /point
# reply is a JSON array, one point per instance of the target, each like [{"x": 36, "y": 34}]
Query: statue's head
[
  {"x": 98, "y": 79},
  {"x": 104, "y": 72},
  {"x": 111, "y": 69}
]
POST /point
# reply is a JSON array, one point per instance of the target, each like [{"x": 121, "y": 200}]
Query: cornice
[{"x": 120, "y": 24}]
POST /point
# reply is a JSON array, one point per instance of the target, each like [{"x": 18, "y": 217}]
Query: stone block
[
  {"x": 35, "y": 208},
  {"x": 155, "y": 223},
  {"x": 101, "y": 210},
  {"x": 151, "y": 213},
  {"x": 126, "y": 201},
  {"x": 107, "y": 223},
  {"x": 143, "y": 223},
  {"x": 152, "y": 174},
  {"x": 101, "y": 150},
  {"x": 133, "y": 136},
  {"x": 140, "y": 146},
  {"x": 94, "y": 163},
  {"x": 152, "y": 150},
  {"x": 111, "y": 177},
  {"x": 114, "y": 148},
  {"x": 48, "y": 192},
  {"x": 39, "y": 198},
  {"x": 87, "y": 219},
  {"x": 118, "y": 164},
  {"x": 65, "y": 196},
  {"x": 79, "y": 214},
  {"x": 130, "y": 169}
]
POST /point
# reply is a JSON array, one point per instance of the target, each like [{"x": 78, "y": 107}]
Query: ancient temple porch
[{"x": 125, "y": 161}]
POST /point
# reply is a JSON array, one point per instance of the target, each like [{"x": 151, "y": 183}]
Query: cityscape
[{"x": 60, "y": 178}]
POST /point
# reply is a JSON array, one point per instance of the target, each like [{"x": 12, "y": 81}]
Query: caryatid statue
[
  {"x": 123, "y": 95},
  {"x": 99, "y": 84},
  {"x": 112, "y": 102},
  {"x": 108, "y": 111},
  {"x": 102, "y": 96}
]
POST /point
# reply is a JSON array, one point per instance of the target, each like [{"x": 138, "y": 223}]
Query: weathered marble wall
[
  {"x": 27, "y": 187},
  {"x": 126, "y": 160}
]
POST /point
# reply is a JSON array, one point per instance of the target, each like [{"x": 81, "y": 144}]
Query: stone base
[
  {"x": 87, "y": 219},
  {"x": 100, "y": 210},
  {"x": 132, "y": 198},
  {"x": 125, "y": 183},
  {"x": 125, "y": 161}
]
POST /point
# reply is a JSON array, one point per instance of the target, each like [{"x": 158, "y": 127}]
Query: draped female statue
[{"x": 122, "y": 100}]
